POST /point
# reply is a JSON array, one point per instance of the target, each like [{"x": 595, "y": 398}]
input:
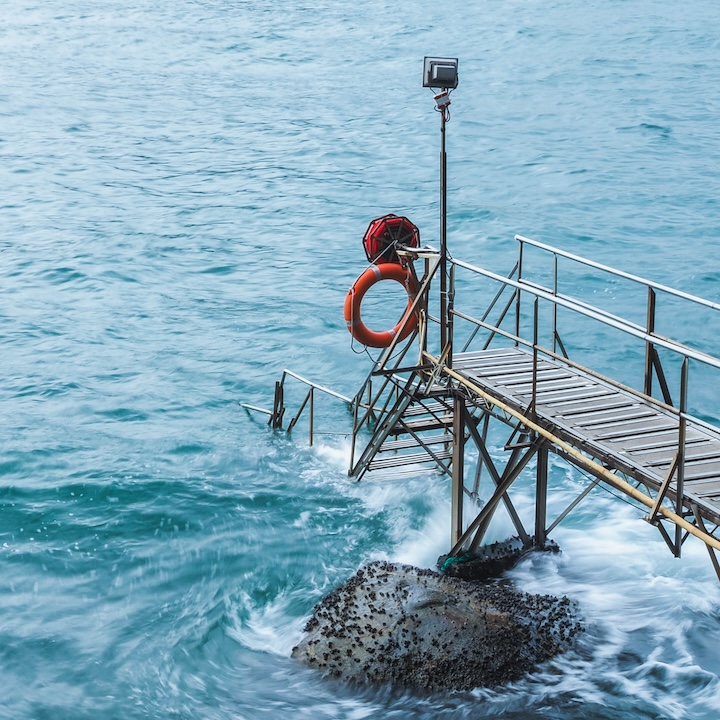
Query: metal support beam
[
  {"x": 458, "y": 468},
  {"x": 480, "y": 440},
  {"x": 541, "y": 497},
  {"x": 652, "y": 516},
  {"x": 572, "y": 505},
  {"x": 515, "y": 466}
]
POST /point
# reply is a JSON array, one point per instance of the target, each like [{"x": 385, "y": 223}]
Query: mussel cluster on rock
[{"x": 417, "y": 628}]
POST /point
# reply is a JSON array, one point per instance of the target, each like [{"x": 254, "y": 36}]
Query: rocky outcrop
[{"x": 418, "y": 628}]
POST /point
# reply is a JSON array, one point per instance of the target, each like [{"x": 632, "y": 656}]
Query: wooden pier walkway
[{"x": 620, "y": 429}]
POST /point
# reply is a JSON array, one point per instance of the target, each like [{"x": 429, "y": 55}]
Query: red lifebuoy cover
[
  {"x": 353, "y": 300},
  {"x": 385, "y": 233}
]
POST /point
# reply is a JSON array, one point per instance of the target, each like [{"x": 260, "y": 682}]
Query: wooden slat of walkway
[{"x": 602, "y": 420}]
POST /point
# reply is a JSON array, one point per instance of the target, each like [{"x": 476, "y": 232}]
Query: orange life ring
[{"x": 375, "y": 273}]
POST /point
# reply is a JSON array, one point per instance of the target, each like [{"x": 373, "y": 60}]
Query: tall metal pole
[
  {"x": 443, "y": 233},
  {"x": 442, "y": 73}
]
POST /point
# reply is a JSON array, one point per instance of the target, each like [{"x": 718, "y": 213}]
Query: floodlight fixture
[{"x": 440, "y": 73}]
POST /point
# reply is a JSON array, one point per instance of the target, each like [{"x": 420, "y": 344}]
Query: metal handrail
[
  {"x": 618, "y": 273},
  {"x": 277, "y": 413},
  {"x": 315, "y": 385},
  {"x": 597, "y": 314}
]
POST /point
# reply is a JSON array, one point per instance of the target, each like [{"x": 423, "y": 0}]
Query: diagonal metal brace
[
  {"x": 479, "y": 524},
  {"x": 652, "y": 516}
]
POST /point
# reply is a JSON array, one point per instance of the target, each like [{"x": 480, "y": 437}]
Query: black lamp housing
[{"x": 440, "y": 73}]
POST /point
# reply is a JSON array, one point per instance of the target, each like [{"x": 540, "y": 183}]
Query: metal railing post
[
  {"x": 450, "y": 320},
  {"x": 353, "y": 441},
  {"x": 278, "y": 406},
  {"x": 536, "y": 311},
  {"x": 555, "y": 307},
  {"x": 519, "y": 279},
  {"x": 649, "y": 347},
  {"x": 682, "y": 434},
  {"x": 312, "y": 413}
]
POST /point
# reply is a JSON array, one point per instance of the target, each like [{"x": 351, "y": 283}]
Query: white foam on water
[
  {"x": 270, "y": 628},
  {"x": 639, "y": 605},
  {"x": 422, "y": 546},
  {"x": 337, "y": 455},
  {"x": 638, "y": 602}
]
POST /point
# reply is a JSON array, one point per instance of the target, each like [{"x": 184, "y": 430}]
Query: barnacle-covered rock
[{"x": 398, "y": 624}]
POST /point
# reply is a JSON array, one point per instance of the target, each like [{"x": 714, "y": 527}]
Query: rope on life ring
[{"x": 353, "y": 300}]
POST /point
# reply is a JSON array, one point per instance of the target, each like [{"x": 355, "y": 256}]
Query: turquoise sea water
[{"x": 185, "y": 188}]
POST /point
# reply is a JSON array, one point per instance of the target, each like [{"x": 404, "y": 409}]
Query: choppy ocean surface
[{"x": 184, "y": 190}]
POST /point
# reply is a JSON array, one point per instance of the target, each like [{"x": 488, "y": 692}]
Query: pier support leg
[
  {"x": 458, "y": 470},
  {"x": 541, "y": 498}
]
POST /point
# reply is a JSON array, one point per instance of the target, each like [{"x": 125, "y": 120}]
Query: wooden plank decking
[{"x": 615, "y": 426}]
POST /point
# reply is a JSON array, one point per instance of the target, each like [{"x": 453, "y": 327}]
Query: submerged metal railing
[{"x": 277, "y": 414}]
